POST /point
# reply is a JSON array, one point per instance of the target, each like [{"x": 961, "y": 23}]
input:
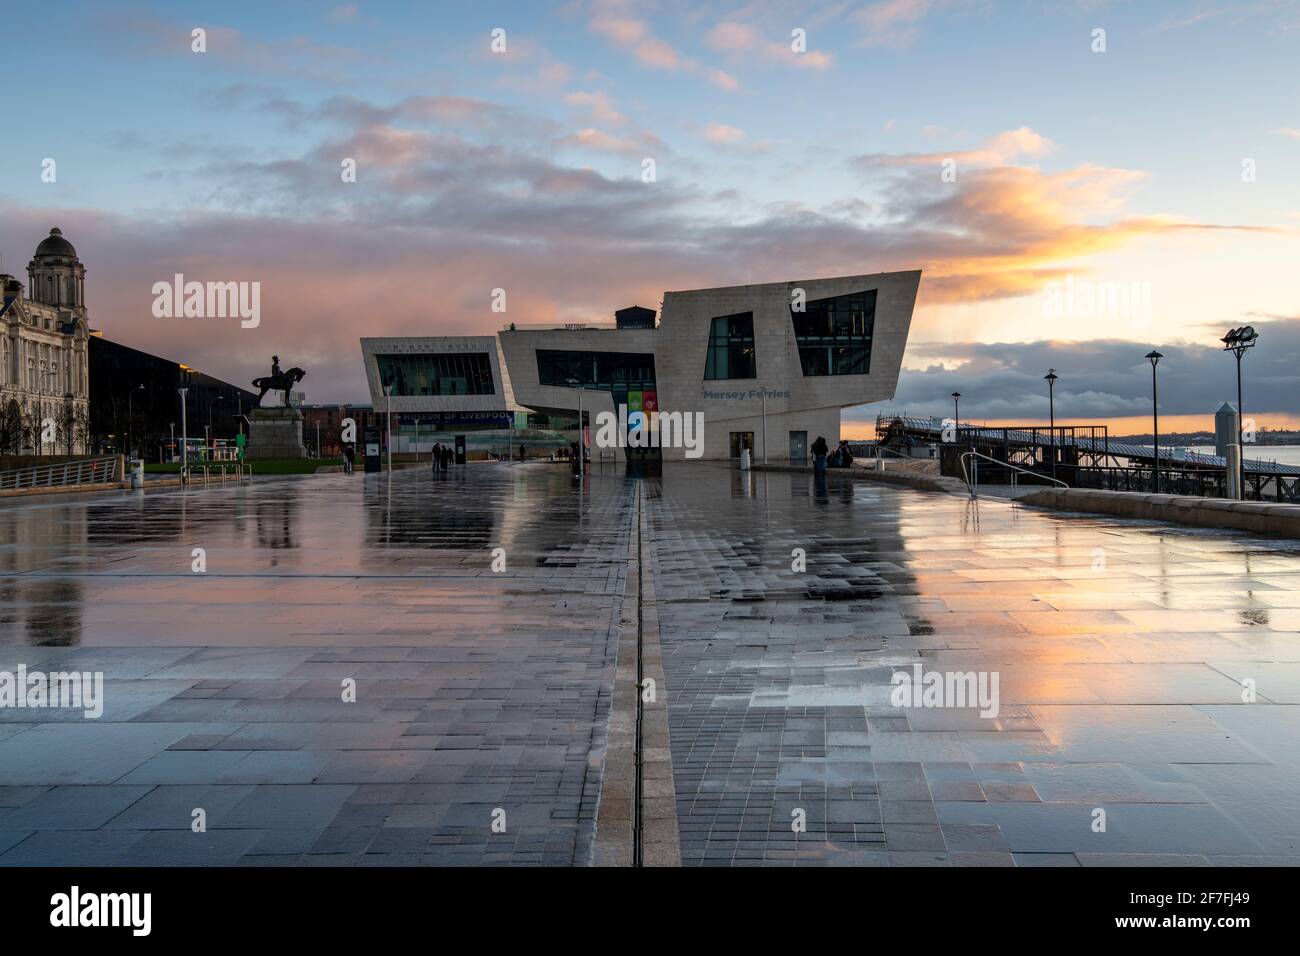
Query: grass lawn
[{"x": 280, "y": 466}]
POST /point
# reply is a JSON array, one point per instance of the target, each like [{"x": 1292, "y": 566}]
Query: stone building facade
[{"x": 44, "y": 373}]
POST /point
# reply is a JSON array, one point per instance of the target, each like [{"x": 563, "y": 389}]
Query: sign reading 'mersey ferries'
[{"x": 753, "y": 393}]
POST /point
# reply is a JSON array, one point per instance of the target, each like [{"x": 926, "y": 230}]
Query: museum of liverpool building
[{"x": 765, "y": 367}]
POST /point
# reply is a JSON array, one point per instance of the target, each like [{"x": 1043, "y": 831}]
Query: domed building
[{"x": 44, "y": 374}]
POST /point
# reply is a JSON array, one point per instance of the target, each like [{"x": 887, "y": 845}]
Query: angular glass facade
[
  {"x": 834, "y": 335},
  {"x": 570, "y": 369},
  {"x": 731, "y": 347},
  {"x": 468, "y": 373}
]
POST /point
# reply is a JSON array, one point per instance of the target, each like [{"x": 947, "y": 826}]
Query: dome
[{"x": 55, "y": 245}]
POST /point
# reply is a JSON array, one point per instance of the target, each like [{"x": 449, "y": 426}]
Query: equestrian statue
[{"x": 278, "y": 381}]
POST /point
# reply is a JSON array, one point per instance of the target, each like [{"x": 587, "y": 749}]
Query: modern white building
[{"x": 768, "y": 367}]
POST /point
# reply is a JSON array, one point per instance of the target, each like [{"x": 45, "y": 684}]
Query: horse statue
[{"x": 278, "y": 381}]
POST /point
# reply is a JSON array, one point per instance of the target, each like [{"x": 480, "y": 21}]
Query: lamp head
[
  {"x": 1242, "y": 338},
  {"x": 1154, "y": 356}
]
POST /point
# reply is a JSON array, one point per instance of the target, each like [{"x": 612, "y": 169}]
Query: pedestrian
[
  {"x": 349, "y": 456},
  {"x": 435, "y": 456},
  {"x": 446, "y": 457},
  {"x": 521, "y": 452},
  {"x": 819, "y": 456}
]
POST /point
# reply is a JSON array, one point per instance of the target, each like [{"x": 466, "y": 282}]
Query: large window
[
  {"x": 834, "y": 335},
  {"x": 468, "y": 373},
  {"x": 632, "y": 370},
  {"x": 731, "y": 347}
]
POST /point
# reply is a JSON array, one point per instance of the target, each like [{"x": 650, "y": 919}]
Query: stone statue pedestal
[{"x": 275, "y": 433}]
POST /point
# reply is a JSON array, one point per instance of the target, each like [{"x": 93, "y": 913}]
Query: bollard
[{"x": 1233, "y": 471}]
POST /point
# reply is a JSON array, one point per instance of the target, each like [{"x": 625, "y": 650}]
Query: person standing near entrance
[
  {"x": 819, "y": 449},
  {"x": 521, "y": 452},
  {"x": 349, "y": 456}
]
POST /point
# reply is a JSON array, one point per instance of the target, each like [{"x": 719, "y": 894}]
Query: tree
[{"x": 11, "y": 428}]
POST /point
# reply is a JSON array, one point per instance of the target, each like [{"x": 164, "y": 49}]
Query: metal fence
[
  {"x": 1195, "y": 482},
  {"x": 87, "y": 471}
]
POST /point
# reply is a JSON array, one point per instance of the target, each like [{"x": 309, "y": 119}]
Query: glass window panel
[
  {"x": 834, "y": 334},
  {"x": 454, "y": 374}
]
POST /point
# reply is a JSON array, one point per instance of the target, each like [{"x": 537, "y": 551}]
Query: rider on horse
[{"x": 278, "y": 380}]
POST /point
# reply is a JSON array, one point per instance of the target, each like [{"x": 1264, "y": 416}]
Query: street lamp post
[
  {"x": 206, "y": 441},
  {"x": 1154, "y": 357},
  {"x": 130, "y": 419},
  {"x": 388, "y": 416},
  {"x": 1051, "y": 413},
  {"x": 185, "y": 458},
  {"x": 1236, "y": 342},
  {"x": 956, "y": 414},
  {"x": 582, "y": 451}
]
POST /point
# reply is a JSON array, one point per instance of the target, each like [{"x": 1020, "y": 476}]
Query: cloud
[
  {"x": 743, "y": 41},
  {"x": 1006, "y": 147},
  {"x": 598, "y": 104},
  {"x": 892, "y": 22},
  {"x": 1103, "y": 378},
  {"x": 716, "y": 132},
  {"x": 611, "y": 19},
  {"x": 135, "y": 35},
  {"x": 456, "y": 196},
  {"x": 601, "y": 141}
]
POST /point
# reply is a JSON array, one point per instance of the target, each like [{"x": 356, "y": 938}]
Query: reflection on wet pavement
[
  {"x": 1123, "y": 652},
  {"x": 1121, "y": 649},
  {"x": 475, "y": 689}
]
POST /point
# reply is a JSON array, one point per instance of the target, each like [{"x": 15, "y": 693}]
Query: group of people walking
[
  {"x": 842, "y": 457},
  {"x": 441, "y": 457}
]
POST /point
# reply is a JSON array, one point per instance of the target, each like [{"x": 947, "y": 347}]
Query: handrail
[
  {"x": 880, "y": 448},
  {"x": 85, "y": 471},
  {"x": 242, "y": 469},
  {"x": 1005, "y": 464}
]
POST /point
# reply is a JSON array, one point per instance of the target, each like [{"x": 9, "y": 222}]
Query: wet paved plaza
[{"x": 1125, "y": 653}]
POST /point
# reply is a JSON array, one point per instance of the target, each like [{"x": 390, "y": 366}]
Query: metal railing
[
  {"x": 973, "y": 484},
  {"x": 85, "y": 471},
  {"x": 1193, "y": 482},
  {"x": 240, "y": 471}
]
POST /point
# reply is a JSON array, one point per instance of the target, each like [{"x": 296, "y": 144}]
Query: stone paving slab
[
  {"x": 1121, "y": 651},
  {"x": 475, "y": 690}
]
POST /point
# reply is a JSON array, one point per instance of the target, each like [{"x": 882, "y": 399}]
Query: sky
[{"x": 1079, "y": 182}]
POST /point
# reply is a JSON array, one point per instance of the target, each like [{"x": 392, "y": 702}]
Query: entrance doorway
[
  {"x": 798, "y": 448},
  {"x": 737, "y": 438}
]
